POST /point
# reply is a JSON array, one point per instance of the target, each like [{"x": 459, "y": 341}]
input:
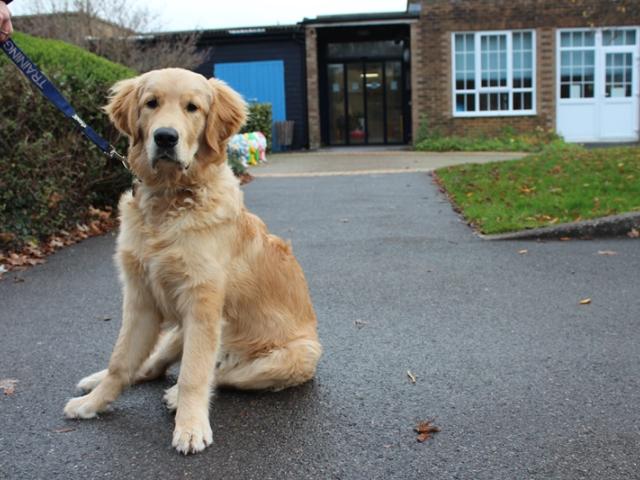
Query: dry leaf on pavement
[
  {"x": 63, "y": 430},
  {"x": 585, "y": 301},
  {"x": 607, "y": 252},
  {"x": 360, "y": 323},
  {"x": 524, "y": 251},
  {"x": 412, "y": 377},
  {"x": 8, "y": 385},
  {"x": 425, "y": 429}
]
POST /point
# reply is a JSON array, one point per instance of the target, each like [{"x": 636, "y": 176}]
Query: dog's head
[{"x": 174, "y": 119}]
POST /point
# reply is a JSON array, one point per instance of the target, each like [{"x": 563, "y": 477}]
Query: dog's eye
[
  {"x": 191, "y": 107},
  {"x": 152, "y": 103}
]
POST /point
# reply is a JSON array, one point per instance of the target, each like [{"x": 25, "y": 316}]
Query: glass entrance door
[
  {"x": 373, "y": 77},
  {"x": 337, "y": 98},
  {"x": 365, "y": 103},
  {"x": 395, "y": 111},
  {"x": 356, "y": 126}
]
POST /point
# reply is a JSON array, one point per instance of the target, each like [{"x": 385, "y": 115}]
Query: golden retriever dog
[{"x": 204, "y": 282}]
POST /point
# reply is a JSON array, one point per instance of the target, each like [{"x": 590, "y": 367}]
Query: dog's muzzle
[{"x": 165, "y": 140}]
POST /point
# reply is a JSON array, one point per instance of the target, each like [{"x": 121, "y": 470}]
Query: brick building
[
  {"x": 455, "y": 66},
  {"x": 476, "y": 66}
]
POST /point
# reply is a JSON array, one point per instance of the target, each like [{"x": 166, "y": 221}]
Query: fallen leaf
[
  {"x": 565, "y": 239},
  {"x": 104, "y": 319},
  {"x": 524, "y": 251},
  {"x": 63, "y": 430},
  {"x": 607, "y": 252},
  {"x": 360, "y": 323},
  {"x": 425, "y": 429},
  {"x": 8, "y": 385},
  {"x": 585, "y": 301},
  {"x": 412, "y": 377},
  {"x": 634, "y": 233}
]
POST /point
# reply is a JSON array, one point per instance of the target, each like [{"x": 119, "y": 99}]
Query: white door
[{"x": 598, "y": 86}]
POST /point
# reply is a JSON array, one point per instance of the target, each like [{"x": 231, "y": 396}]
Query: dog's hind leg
[
  {"x": 90, "y": 382},
  {"x": 138, "y": 335},
  {"x": 285, "y": 367},
  {"x": 166, "y": 353}
]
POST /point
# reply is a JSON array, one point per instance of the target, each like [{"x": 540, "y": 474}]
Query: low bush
[
  {"x": 49, "y": 173},
  {"x": 259, "y": 120},
  {"x": 507, "y": 140}
]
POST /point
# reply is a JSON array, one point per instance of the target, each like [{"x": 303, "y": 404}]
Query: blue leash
[{"x": 42, "y": 83}]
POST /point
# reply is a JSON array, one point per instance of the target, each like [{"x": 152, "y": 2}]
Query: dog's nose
[{"x": 166, "y": 137}]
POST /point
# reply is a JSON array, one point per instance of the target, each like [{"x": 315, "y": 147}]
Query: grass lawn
[{"x": 559, "y": 185}]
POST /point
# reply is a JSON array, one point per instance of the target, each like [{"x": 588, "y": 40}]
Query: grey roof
[{"x": 361, "y": 17}]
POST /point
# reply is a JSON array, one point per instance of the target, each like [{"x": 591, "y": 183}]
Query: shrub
[
  {"x": 425, "y": 131},
  {"x": 259, "y": 120},
  {"x": 49, "y": 173},
  {"x": 507, "y": 140}
]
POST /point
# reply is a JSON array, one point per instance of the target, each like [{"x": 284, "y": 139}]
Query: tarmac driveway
[{"x": 523, "y": 381}]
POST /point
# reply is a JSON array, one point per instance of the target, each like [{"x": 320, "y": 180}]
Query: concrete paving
[
  {"x": 356, "y": 161},
  {"x": 525, "y": 382}
]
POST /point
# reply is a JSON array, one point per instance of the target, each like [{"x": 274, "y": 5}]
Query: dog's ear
[
  {"x": 227, "y": 114},
  {"x": 122, "y": 107}
]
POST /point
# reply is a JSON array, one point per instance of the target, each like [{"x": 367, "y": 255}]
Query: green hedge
[
  {"x": 505, "y": 140},
  {"x": 49, "y": 173},
  {"x": 259, "y": 120}
]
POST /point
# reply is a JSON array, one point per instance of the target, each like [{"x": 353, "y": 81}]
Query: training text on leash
[{"x": 24, "y": 64}]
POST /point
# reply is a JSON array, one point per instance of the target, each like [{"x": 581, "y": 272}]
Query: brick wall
[
  {"x": 313, "y": 91},
  {"x": 431, "y": 54}
]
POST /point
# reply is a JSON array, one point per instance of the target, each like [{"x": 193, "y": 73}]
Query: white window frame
[{"x": 478, "y": 76}]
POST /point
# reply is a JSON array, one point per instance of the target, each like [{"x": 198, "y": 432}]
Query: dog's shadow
[{"x": 236, "y": 416}]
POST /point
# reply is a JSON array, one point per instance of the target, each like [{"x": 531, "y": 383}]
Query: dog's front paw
[
  {"x": 192, "y": 437},
  {"x": 81, "y": 407}
]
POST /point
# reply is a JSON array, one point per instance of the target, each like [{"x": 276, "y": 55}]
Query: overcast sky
[{"x": 194, "y": 14}]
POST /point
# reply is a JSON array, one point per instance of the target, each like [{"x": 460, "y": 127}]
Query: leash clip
[{"x": 114, "y": 155}]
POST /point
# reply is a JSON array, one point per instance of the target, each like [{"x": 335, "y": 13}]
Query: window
[
  {"x": 357, "y": 50},
  {"x": 619, "y": 77},
  {"x": 494, "y": 73},
  {"x": 619, "y": 37},
  {"x": 577, "y": 64}
]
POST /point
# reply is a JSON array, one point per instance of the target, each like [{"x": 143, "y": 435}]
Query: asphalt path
[{"x": 524, "y": 381}]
